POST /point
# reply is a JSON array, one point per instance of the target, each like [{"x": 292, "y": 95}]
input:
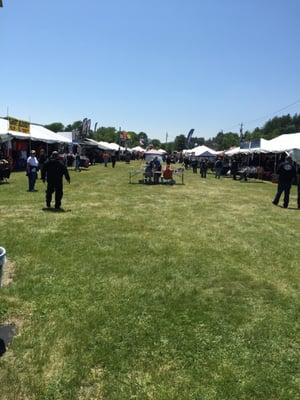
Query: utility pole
[
  {"x": 241, "y": 130},
  {"x": 166, "y": 137}
]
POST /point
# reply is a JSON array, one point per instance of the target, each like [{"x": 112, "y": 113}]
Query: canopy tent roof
[
  {"x": 139, "y": 149},
  {"x": 37, "y": 133},
  {"x": 279, "y": 144},
  {"x": 68, "y": 135},
  {"x": 157, "y": 152},
  {"x": 104, "y": 145},
  {"x": 203, "y": 151},
  {"x": 287, "y": 142}
]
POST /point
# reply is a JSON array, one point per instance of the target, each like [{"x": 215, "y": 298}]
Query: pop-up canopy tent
[
  {"x": 283, "y": 143},
  {"x": 151, "y": 154},
  {"x": 4, "y": 136},
  {"x": 279, "y": 144},
  {"x": 203, "y": 151},
  {"x": 103, "y": 145},
  {"x": 255, "y": 146},
  {"x": 138, "y": 149},
  {"x": 37, "y": 133}
]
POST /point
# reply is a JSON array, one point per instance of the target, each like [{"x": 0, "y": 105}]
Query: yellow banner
[{"x": 17, "y": 125}]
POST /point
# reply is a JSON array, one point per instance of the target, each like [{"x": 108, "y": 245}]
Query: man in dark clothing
[
  {"x": 287, "y": 173},
  {"x": 194, "y": 164},
  {"x": 203, "y": 168},
  {"x": 53, "y": 171},
  {"x": 218, "y": 168},
  {"x": 298, "y": 185},
  {"x": 234, "y": 168},
  {"x": 113, "y": 158}
]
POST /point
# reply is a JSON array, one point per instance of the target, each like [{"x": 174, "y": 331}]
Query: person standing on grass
[
  {"x": 31, "y": 170},
  {"x": 218, "y": 168},
  {"x": 234, "y": 168},
  {"x": 286, "y": 173},
  {"x": 53, "y": 172},
  {"x": 113, "y": 159},
  {"x": 194, "y": 164},
  {"x": 77, "y": 162},
  {"x": 105, "y": 158},
  {"x": 298, "y": 185},
  {"x": 203, "y": 168}
]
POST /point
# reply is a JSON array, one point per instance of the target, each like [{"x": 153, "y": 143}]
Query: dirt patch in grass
[{"x": 8, "y": 273}]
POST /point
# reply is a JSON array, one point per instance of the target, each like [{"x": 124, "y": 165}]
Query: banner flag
[
  {"x": 189, "y": 136},
  {"x": 18, "y": 125},
  {"x": 86, "y": 127}
]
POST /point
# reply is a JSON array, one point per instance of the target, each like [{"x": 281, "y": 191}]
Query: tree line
[{"x": 222, "y": 141}]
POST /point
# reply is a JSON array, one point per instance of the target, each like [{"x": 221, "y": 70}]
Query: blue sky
[{"x": 151, "y": 66}]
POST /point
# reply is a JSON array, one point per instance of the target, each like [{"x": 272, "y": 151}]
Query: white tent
[
  {"x": 203, "y": 151},
  {"x": 138, "y": 149},
  {"x": 105, "y": 145},
  {"x": 4, "y": 136},
  {"x": 159, "y": 152},
  {"x": 283, "y": 143},
  {"x": 262, "y": 146},
  {"x": 116, "y": 147},
  {"x": 162, "y": 151},
  {"x": 37, "y": 133},
  {"x": 68, "y": 135},
  {"x": 232, "y": 152}
]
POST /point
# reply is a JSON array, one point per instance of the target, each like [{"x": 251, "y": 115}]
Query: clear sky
[{"x": 150, "y": 65}]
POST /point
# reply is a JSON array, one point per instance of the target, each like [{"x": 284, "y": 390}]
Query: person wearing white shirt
[{"x": 31, "y": 170}]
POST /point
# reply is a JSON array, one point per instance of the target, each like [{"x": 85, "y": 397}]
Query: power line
[{"x": 266, "y": 116}]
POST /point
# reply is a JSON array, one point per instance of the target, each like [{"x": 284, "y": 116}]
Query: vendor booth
[{"x": 17, "y": 138}]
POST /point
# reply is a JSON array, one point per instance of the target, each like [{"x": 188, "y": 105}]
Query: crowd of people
[{"x": 55, "y": 167}]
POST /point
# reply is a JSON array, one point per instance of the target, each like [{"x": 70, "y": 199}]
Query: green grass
[{"x": 151, "y": 292}]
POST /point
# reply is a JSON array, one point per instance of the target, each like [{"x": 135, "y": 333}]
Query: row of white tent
[
  {"x": 42, "y": 134},
  {"x": 280, "y": 144},
  {"x": 114, "y": 146}
]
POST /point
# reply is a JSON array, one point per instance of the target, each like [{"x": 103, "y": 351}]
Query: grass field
[{"x": 151, "y": 292}]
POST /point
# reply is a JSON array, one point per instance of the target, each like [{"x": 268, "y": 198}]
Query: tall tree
[
  {"x": 109, "y": 134},
  {"x": 143, "y": 139},
  {"x": 156, "y": 143},
  {"x": 180, "y": 143},
  {"x": 73, "y": 127},
  {"x": 55, "y": 127}
]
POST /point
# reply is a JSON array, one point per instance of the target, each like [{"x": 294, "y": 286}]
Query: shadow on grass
[
  {"x": 258, "y": 182},
  {"x": 290, "y": 208},
  {"x": 54, "y": 210}
]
